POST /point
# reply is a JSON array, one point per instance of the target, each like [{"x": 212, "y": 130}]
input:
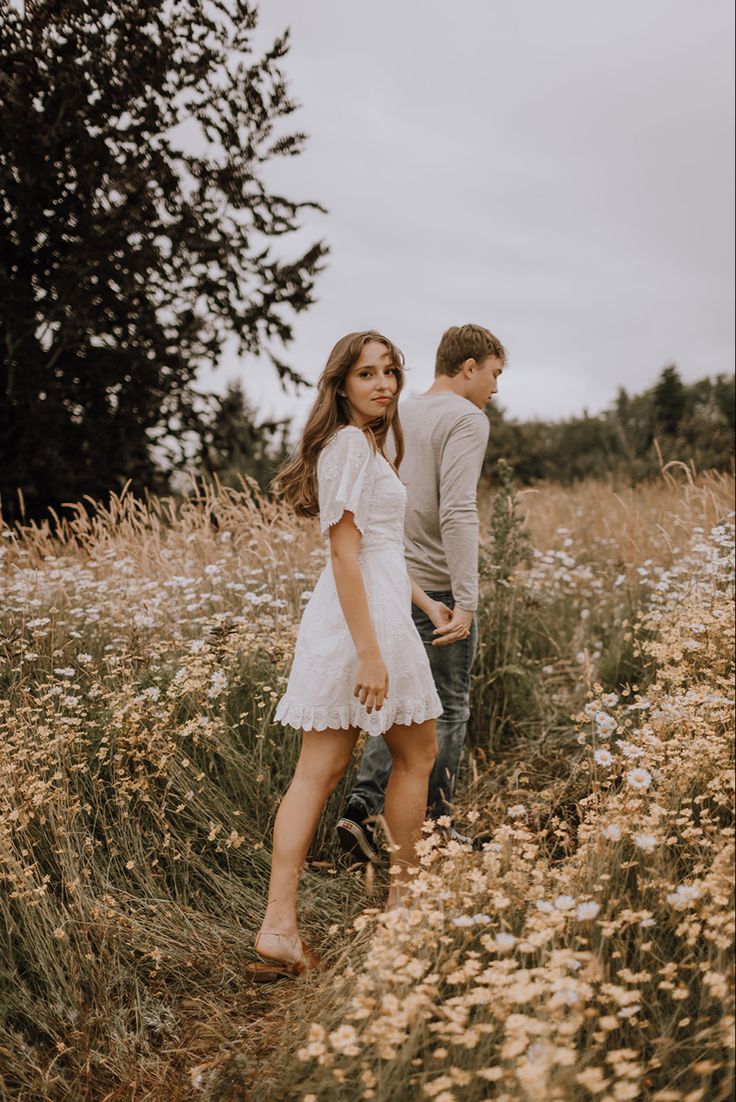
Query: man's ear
[{"x": 468, "y": 367}]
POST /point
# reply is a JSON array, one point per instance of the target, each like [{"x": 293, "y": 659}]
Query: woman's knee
[
  {"x": 324, "y": 757},
  {"x": 416, "y": 754},
  {"x": 431, "y": 754},
  {"x": 335, "y": 777},
  {"x": 326, "y": 776}
]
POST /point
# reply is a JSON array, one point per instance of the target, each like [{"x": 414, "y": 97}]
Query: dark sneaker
[{"x": 357, "y": 837}]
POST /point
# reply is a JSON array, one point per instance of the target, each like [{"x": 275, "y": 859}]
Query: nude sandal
[{"x": 267, "y": 970}]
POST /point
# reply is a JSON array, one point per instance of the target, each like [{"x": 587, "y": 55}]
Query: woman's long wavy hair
[{"x": 297, "y": 479}]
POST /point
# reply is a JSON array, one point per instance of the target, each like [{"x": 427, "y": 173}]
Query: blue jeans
[{"x": 450, "y": 667}]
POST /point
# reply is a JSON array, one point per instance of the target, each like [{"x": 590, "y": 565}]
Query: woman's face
[{"x": 371, "y": 384}]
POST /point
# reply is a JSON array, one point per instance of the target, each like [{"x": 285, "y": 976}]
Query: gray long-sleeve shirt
[{"x": 445, "y": 439}]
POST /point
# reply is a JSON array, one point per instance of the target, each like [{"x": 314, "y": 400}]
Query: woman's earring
[{"x": 341, "y": 393}]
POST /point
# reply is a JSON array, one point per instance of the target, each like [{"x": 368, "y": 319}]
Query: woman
[{"x": 359, "y": 663}]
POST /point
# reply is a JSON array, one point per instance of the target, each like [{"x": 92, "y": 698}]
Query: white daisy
[{"x": 639, "y": 778}]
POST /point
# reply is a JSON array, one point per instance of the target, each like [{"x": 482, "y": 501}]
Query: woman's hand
[
  {"x": 438, "y": 613},
  {"x": 458, "y": 627},
  {"x": 371, "y": 682}
]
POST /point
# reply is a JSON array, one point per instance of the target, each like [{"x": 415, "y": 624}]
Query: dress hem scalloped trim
[{"x": 341, "y": 717}]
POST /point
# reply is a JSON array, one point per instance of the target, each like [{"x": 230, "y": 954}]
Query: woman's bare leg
[
  {"x": 413, "y": 749},
  {"x": 322, "y": 761}
]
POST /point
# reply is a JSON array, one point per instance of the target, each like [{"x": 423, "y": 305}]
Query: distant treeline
[{"x": 672, "y": 420}]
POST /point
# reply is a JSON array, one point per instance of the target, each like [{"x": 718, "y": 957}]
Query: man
[{"x": 445, "y": 433}]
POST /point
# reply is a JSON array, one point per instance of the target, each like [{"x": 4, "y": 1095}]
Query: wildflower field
[{"x": 585, "y": 953}]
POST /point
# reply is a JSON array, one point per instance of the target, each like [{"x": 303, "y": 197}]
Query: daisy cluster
[
  {"x": 141, "y": 654},
  {"x": 140, "y": 665},
  {"x": 512, "y": 976}
]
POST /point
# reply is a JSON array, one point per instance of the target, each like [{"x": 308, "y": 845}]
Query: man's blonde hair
[{"x": 466, "y": 342}]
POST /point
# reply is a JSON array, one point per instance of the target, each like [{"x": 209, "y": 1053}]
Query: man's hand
[{"x": 457, "y": 628}]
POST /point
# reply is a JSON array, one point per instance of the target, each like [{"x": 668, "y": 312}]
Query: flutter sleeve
[{"x": 345, "y": 477}]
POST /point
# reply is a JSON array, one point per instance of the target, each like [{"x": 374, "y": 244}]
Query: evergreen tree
[
  {"x": 234, "y": 443},
  {"x": 137, "y": 231},
  {"x": 668, "y": 401},
  {"x": 724, "y": 395},
  {"x": 620, "y": 419}
]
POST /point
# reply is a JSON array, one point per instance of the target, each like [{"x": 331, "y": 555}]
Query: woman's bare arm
[
  {"x": 435, "y": 610},
  {"x": 371, "y": 679}
]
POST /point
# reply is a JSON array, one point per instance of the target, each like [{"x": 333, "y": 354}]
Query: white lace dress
[{"x": 353, "y": 477}]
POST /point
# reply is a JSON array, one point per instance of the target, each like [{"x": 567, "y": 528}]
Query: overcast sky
[{"x": 560, "y": 172}]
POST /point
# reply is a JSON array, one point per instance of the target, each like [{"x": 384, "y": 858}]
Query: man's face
[{"x": 483, "y": 380}]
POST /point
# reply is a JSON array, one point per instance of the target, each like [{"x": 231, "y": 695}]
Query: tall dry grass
[{"x": 583, "y": 954}]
